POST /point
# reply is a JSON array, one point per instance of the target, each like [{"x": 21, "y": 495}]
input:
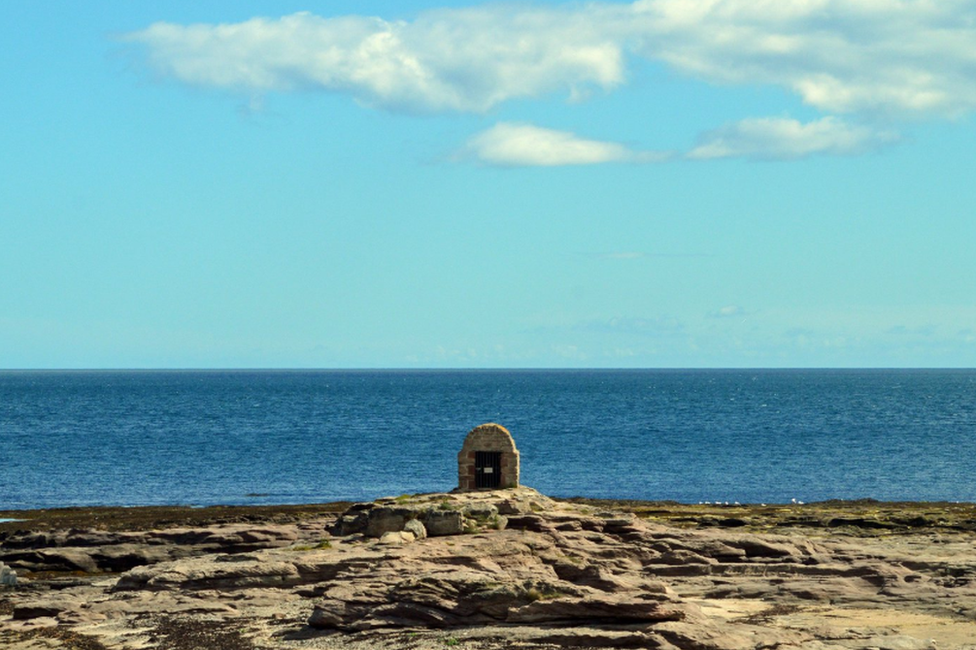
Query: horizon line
[{"x": 466, "y": 368}]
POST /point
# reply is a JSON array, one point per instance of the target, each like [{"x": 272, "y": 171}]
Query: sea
[{"x": 198, "y": 438}]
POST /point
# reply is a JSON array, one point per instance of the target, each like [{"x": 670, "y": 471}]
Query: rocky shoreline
[{"x": 493, "y": 569}]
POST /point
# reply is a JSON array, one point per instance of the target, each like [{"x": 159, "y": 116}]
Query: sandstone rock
[
  {"x": 351, "y": 524},
  {"x": 513, "y": 506},
  {"x": 557, "y": 576},
  {"x": 388, "y": 519},
  {"x": 703, "y": 546},
  {"x": 122, "y": 557},
  {"x": 416, "y": 528},
  {"x": 93, "y": 537},
  {"x": 535, "y": 523},
  {"x": 335, "y": 614},
  {"x": 377, "y": 520},
  {"x": 37, "y": 610},
  {"x": 684, "y": 557},
  {"x": 397, "y": 537},
  {"x": 207, "y": 573},
  {"x": 93, "y": 550},
  {"x": 755, "y": 547},
  {"x": 25, "y": 540},
  {"x": 480, "y": 511},
  {"x": 53, "y": 559},
  {"x": 257, "y": 538},
  {"x": 592, "y": 637},
  {"x": 596, "y": 609},
  {"x": 442, "y": 522}
]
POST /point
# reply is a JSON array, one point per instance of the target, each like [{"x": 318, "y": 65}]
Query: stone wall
[{"x": 488, "y": 437}]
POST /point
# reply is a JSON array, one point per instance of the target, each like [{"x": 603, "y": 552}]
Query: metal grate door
[{"x": 487, "y": 469}]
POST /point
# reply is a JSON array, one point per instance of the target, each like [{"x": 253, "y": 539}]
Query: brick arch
[{"x": 488, "y": 444}]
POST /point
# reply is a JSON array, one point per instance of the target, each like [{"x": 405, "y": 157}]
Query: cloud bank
[
  {"x": 465, "y": 60},
  {"x": 909, "y": 57},
  {"x": 874, "y": 60},
  {"x": 902, "y": 57}
]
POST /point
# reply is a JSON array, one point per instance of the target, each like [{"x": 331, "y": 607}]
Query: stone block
[
  {"x": 442, "y": 522},
  {"x": 388, "y": 519},
  {"x": 480, "y": 511},
  {"x": 8, "y": 577}
]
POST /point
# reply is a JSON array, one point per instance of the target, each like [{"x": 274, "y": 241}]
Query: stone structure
[
  {"x": 488, "y": 459},
  {"x": 8, "y": 577}
]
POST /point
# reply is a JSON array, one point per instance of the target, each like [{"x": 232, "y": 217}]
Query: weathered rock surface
[
  {"x": 438, "y": 517},
  {"x": 556, "y": 575},
  {"x": 100, "y": 551}
]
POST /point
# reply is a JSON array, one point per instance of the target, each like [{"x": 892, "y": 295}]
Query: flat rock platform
[{"x": 492, "y": 569}]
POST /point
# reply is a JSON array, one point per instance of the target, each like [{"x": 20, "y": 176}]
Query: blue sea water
[{"x": 230, "y": 437}]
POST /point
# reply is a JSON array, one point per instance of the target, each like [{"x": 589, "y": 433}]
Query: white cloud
[
  {"x": 514, "y": 144},
  {"x": 781, "y": 138},
  {"x": 510, "y": 144},
  {"x": 896, "y": 57},
  {"x": 461, "y": 60},
  {"x": 889, "y": 56}
]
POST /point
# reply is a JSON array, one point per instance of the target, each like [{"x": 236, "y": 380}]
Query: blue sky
[{"x": 664, "y": 183}]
